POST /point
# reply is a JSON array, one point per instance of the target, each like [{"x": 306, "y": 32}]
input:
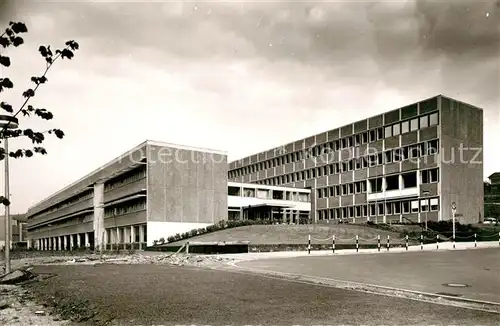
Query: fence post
[
  {"x": 357, "y": 243},
  {"x": 421, "y": 242},
  {"x": 475, "y": 240},
  {"x": 378, "y": 242},
  {"x": 437, "y": 242},
  {"x": 407, "y": 242},
  {"x": 388, "y": 239},
  {"x": 333, "y": 244},
  {"x": 309, "y": 244}
]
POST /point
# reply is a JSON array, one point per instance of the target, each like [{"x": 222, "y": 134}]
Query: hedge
[{"x": 221, "y": 225}]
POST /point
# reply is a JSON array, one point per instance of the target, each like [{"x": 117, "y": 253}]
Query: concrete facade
[
  {"x": 19, "y": 232},
  {"x": 392, "y": 167},
  {"x": 279, "y": 204},
  {"x": 144, "y": 194}
]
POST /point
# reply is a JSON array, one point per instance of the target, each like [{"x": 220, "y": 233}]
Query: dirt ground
[{"x": 18, "y": 303}]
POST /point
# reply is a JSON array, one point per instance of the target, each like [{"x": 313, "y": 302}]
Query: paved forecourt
[{"x": 470, "y": 274}]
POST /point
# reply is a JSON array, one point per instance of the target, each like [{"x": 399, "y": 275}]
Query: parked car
[{"x": 490, "y": 220}]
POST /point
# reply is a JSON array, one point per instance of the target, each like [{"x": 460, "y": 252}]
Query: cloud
[{"x": 242, "y": 77}]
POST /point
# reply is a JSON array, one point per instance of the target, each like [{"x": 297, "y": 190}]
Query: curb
[{"x": 480, "y": 305}]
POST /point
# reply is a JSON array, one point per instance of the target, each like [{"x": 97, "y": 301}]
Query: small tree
[{"x": 11, "y": 38}]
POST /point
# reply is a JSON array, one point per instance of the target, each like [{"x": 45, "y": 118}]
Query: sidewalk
[
  {"x": 472, "y": 272},
  {"x": 383, "y": 249}
]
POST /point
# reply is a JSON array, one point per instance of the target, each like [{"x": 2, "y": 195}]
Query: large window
[
  {"x": 392, "y": 182},
  {"x": 433, "y": 119},
  {"x": 388, "y": 131},
  {"x": 397, "y": 207},
  {"x": 424, "y": 122},
  {"x": 396, "y": 130},
  {"x": 434, "y": 204},
  {"x": 410, "y": 179},
  {"x": 406, "y": 207},
  {"x": 424, "y": 205},
  {"x": 233, "y": 191},
  {"x": 414, "y": 206},
  {"x": 405, "y": 127},
  {"x": 413, "y": 124}
]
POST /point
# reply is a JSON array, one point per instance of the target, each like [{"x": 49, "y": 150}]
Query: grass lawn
[{"x": 297, "y": 234}]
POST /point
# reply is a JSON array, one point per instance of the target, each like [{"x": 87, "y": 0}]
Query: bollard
[
  {"x": 421, "y": 242},
  {"x": 357, "y": 243},
  {"x": 407, "y": 242},
  {"x": 187, "y": 247},
  {"x": 378, "y": 242},
  {"x": 309, "y": 245},
  {"x": 333, "y": 244},
  {"x": 475, "y": 240},
  {"x": 437, "y": 242},
  {"x": 388, "y": 245}
]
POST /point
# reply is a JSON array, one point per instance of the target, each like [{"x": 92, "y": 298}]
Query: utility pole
[
  {"x": 453, "y": 211},
  {"x": 8, "y": 227}
]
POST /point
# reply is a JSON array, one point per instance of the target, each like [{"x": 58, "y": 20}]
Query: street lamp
[
  {"x": 7, "y": 122},
  {"x": 426, "y": 193}
]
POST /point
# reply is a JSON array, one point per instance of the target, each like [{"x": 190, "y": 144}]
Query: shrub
[{"x": 221, "y": 225}]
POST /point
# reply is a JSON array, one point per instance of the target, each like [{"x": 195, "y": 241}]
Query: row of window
[
  {"x": 381, "y": 209},
  {"x": 84, "y": 195},
  {"x": 269, "y": 194},
  {"x": 396, "y": 155},
  {"x": 126, "y": 178},
  {"x": 373, "y": 135},
  {"x": 126, "y": 207},
  {"x": 375, "y": 185}
]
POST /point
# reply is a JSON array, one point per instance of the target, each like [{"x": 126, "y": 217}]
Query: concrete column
[
  {"x": 132, "y": 235},
  {"x": 59, "y": 243},
  {"x": 78, "y": 241},
  {"x": 118, "y": 238},
  {"x": 44, "y": 244},
  {"x": 71, "y": 241},
  {"x": 98, "y": 215},
  {"x": 368, "y": 187},
  {"x": 126, "y": 234},
  {"x": 401, "y": 182},
  {"x": 106, "y": 240},
  {"x": 87, "y": 240},
  {"x": 112, "y": 238},
  {"x": 141, "y": 235},
  {"x": 65, "y": 243}
]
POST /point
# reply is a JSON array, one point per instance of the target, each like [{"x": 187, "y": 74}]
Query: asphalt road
[
  {"x": 167, "y": 295},
  {"x": 426, "y": 271}
]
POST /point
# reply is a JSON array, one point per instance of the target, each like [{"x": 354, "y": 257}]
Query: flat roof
[
  {"x": 339, "y": 127},
  {"x": 121, "y": 157},
  {"x": 256, "y": 185}
]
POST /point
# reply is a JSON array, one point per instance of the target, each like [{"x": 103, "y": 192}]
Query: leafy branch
[{"x": 10, "y": 37}]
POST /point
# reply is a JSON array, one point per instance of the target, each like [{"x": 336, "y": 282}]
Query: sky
[{"x": 238, "y": 76}]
